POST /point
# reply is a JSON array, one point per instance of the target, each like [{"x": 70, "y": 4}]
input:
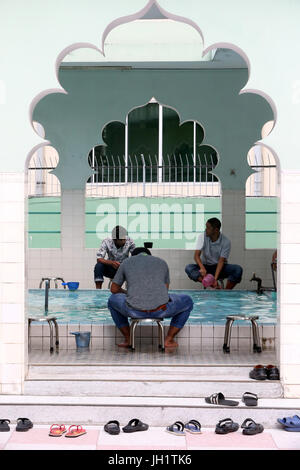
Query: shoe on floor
[
  {"x": 272, "y": 372},
  {"x": 112, "y": 427},
  {"x": 23, "y": 424},
  {"x": 4, "y": 425},
  {"x": 225, "y": 426},
  {"x": 258, "y": 373},
  {"x": 135, "y": 425},
  {"x": 250, "y": 427}
]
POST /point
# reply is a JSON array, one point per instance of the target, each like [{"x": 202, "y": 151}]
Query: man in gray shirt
[
  {"x": 147, "y": 278},
  {"x": 211, "y": 256}
]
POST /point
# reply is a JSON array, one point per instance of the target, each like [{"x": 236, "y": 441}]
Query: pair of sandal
[
  {"x": 249, "y": 427},
  {"x": 134, "y": 425},
  {"x": 179, "y": 429},
  {"x": 249, "y": 398},
  {"x": 23, "y": 424},
  {"x": 75, "y": 430}
]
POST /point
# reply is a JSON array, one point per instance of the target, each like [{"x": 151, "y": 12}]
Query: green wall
[{"x": 261, "y": 221}]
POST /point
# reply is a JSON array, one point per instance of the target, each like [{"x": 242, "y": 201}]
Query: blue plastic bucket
[
  {"x": 82, "y": 338},
  {"x": 71, "y": 285}
]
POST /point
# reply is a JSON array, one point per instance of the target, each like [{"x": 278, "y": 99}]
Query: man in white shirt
[
  {"x": 117, "y": 249},
  {"x": 211, "y": 256}
]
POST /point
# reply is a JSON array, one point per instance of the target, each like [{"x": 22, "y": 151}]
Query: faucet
[
  {"x": 55, "y": 279},
  {"x": 259, "y": 282}
]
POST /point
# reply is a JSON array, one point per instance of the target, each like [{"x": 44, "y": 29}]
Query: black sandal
[
  {"x": 4, "y": 425},
  {"x": 176, "y": 428},
  {"x": 250, "y": 399},
  {"x": 225, "y": 426},
  {"x": 23, "y": 424},
  {"x": 250, "y": 427},
  {"x": 112, "y": 427},
  {"x": 219, "y": 399},
  {"x": 135, "y": 425}
]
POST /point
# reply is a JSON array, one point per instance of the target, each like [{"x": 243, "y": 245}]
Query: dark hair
[
  {"x": 214, "y": 222},
  {"x": 119, "y": 233},
  {"x": 139, "y": 250}
]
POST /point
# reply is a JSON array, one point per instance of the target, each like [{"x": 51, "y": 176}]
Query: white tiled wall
[
  {"x": 290, "y": 283},
  {"x": 12, "y": 283}
]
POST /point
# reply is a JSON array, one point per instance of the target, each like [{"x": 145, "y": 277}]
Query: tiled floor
[
  {"x": 149, "y": 355},
  {"x": 153, "y": 439}
]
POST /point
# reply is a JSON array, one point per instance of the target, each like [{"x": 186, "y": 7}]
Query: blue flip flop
[
  {"x": 290, "y": 423},
  {"x": 193, "y": 426},
  {"x": 176, "y": 428}
]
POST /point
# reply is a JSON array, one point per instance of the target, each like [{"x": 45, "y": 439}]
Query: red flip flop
[
  {"x": 78, "y": 431},
  {"x": 57, "y": 430}
]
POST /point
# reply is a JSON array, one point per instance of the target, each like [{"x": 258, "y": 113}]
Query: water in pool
[{"x": 210, "y": 306}]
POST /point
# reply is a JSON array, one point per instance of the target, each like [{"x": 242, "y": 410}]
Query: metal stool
[
  {"x": 161, "y": 337},
  {"x": 51, "y": 321},
  {"x": 255, "y": 332}
]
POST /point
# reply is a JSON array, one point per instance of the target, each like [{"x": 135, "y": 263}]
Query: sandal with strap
[
  {"x": 219, "y": 399},
  {"x": 57, "y": 430},
  {"x": 290, "y": 423},
  {"x": 250, "y": 427},
  {"x": 193, "y": 426},
  {"x": 4, "y": 425},
  {"x": 176, "y": 428},
  {"x": 23, "y": 424},
  {"x": 250, "y": 399},
  {"x": 135, "y": 425},
  {"x": 225, "y": 426},
  {"x": 78, "y": 431},
  {"x": 112, "y": 427}
]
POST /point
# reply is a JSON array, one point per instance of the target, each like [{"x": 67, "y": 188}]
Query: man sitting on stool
[
  {"x": 147, "y": 296},
  {"x": 117, "y": 250},
  {"x": 212, "y": 252}
]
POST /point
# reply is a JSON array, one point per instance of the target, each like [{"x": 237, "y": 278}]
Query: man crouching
[{"x": 147, "y": 278}]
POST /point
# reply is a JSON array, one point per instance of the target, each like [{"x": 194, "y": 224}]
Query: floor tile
[
  {"x": 235, "y": 440},
  {"x": 37, "y": 439},
  {"x": 152, "y": 439},
  {"x": 285, "y": 439}
]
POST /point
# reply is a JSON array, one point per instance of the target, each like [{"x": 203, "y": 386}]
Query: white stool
[
  {"x": 161, "y": 337},
  {"x": 51, "y": 321},
  {"x": 255, "y": 332}
]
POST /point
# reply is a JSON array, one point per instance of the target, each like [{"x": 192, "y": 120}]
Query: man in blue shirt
[{"x": 211, "y": 256}]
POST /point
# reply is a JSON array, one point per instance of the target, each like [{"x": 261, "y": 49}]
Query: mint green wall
[
  {"x": 73, "y": 123},
  {"x": 35, "y": 36},
  {"x": 261, "y": 221}
]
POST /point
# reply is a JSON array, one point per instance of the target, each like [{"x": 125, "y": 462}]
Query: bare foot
[
  {"x": 124, "y": 345},
  {"x": 171, "y": 344}
]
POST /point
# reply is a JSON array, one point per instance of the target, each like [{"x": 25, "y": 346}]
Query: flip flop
[
  {"x": 290, "y": 423},
  {"x": 23, "y": 424},
  {"x": 135, "y": 425},
  {"x": 176, "y": 428},
  {"x": 4, "y": 425},
  {"x": 250, "y": 399},
  {"x": 57, "y": 430},
  {"x": 219, "y": 399},
  {"x": 112, "y": 427},
  {"x": 193, "y": 426},
  {"x": 225, "y": 426},
  {"x": 79, "y": 431},
  {"x": 250, "y": 427}
]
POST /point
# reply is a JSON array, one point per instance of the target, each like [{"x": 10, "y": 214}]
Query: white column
[
  {"x": 289, "y": 281},
  {"x": 13, "y": 328},
  {"x": 73, "y": 233}
]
